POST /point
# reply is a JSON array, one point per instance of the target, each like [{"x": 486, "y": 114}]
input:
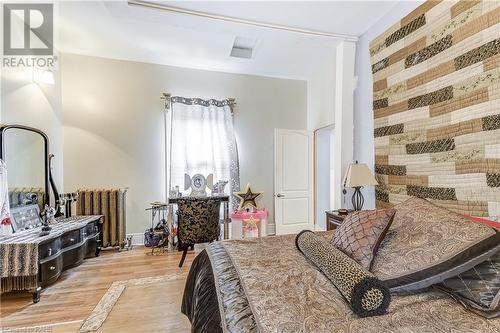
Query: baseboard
[
  {"x": 271, "y": 229},
  {"x": 137, "y": 238},
  {"x": 319, "y": 228}
]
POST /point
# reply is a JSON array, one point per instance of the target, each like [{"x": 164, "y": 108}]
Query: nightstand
[{"x": 333, "y": 219}]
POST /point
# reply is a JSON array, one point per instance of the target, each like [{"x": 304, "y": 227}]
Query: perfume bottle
[{"x": 6, "y": 225}]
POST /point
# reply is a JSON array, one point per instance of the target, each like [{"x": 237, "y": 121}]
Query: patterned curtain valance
[
  {"x": 436, "y": 88},
  {"x": 204, "y": 102}
]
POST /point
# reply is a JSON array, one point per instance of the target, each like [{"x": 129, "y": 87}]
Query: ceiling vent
[{"x": 243, "y": 47}]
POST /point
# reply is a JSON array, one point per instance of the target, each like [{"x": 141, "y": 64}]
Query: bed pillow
[
  {"x": 366, "y": 295},
  {"x": 484, "y": 221},
  {"x": 360, "y": 234},
  {"x": 427, "y": 244},
  {"x": 478, "y": 289}
]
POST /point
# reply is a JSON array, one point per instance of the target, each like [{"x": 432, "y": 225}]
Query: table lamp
[{"x": 357, "y": 176}]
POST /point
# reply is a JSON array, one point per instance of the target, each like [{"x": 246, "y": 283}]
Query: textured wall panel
[{"x": 436, "y": 104}]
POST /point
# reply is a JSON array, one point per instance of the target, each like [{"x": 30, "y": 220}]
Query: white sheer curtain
[{"x": 202, "y": 141}]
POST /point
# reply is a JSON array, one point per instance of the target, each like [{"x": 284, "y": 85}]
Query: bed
[{"x": 267, "y": 285}]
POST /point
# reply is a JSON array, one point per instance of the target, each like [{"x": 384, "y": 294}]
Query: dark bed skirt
[{"x": 199, "y": 302}]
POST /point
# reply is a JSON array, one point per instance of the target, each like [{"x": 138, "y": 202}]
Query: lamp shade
[{"x": 357, "y": 175}]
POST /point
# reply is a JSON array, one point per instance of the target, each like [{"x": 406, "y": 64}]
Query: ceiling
[{"x": 116, "y": 30}]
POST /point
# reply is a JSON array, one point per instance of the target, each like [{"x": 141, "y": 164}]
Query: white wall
[
  {"x": 364, "y": 150},
  {"x": 114, "y": 130},
  {"x": 344, "y": 126},
  {"x": 36, "y": 105},
  {"x": 323, "y": 143},
  {"x": 330, "y": 103},
  {"x": 321, "y": 95}
]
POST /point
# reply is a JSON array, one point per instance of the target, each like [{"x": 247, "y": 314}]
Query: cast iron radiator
[
  {"x": 18, "y": 195},
  {"x": 112, "y": 204}
]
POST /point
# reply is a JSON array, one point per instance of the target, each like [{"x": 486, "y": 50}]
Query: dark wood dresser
[
  {"x": 67, "y": 250},
  {"x": 70, "y": 241}
]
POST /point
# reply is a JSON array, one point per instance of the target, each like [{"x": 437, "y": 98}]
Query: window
[{"x": 202, "y": 141}]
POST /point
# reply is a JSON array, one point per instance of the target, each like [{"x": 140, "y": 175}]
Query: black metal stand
[
  {"x": 184, "y": 252},
  {"x": 357, "y": 199}
]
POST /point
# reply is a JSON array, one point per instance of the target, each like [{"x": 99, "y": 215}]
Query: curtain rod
[
  {"x": 166, "y": 98},
  {"x": 158, "y": 6}
]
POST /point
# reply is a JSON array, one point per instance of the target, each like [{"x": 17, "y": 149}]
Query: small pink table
[{"x": 237, "y": 222}]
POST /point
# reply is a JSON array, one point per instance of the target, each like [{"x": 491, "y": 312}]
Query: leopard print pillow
[{"x": 366, "y": 295}]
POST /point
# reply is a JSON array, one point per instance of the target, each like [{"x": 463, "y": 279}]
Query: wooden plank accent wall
[{"x": 436, "y": 102}]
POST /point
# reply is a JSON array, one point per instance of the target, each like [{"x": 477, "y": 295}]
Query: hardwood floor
[{"x": 68, "y": 302}]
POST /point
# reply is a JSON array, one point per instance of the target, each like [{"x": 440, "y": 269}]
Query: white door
[{"x": 293, "y": 181}]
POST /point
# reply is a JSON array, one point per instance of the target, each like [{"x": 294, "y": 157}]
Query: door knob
[{"x": 279, "y": 195}]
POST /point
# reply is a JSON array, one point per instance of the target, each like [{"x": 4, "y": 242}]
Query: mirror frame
[{"x": 3, "y": 130}]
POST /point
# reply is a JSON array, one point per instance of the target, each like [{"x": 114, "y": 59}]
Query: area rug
[{"x": 150, "y": 300}]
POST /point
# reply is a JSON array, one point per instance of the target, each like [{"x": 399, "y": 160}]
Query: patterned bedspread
[{"x": 286, "y": 293}]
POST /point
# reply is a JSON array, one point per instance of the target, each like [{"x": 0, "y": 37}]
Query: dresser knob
[
  {"x": 71, "y": 240},
  {"x": 84, "y": 234},
  {"x": 52, "y": 268},
  {"x": 50, "y": 252}
]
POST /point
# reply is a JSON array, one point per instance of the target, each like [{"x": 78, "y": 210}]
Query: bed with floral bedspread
[{"x": 267, "y": 285}]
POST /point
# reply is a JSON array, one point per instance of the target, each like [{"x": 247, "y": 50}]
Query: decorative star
[{"x": 247, "y": 198}]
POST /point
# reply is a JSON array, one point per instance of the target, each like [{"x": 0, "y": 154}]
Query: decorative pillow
[
  {"x": 366, "y": 295},
  {"x": 478, "y": 289},
  {"x": 360, "y": 234},
  {"x": 427, "y": 244},
  {"x": 484, "y": 221}
]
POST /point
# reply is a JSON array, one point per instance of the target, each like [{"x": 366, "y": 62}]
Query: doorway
[{"x": 293, "y": 181}]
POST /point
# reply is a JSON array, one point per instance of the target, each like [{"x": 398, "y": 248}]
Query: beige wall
[
  {"x": 114, "y": 129},
  {"x": 36, "y": 105}
]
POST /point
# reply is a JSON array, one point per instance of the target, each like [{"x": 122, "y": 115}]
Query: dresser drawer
[
  {"x": 91, "y": 246},
  {"x": 73, "y": 256},
  {"x": 90, "y": 230},
  {"x": 333, "y": 220},
  {"x": 50, "y": 270},
  {"x": 48, "y": 249},
  {"x": 71, "y": 238}
]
